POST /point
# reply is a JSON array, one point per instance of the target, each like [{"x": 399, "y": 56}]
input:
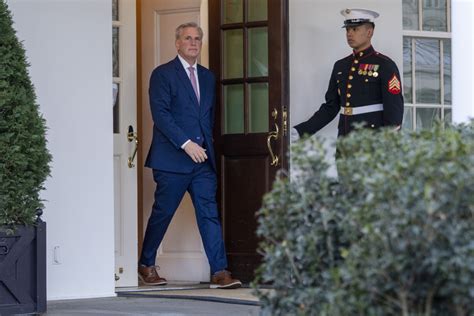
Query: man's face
[
  {"x": 189, "y": 44},
  {"x": 358, "y": 37}
]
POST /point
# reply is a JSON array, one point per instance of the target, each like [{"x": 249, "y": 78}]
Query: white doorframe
[
  {"x": 181, "y": 256},
  {"x": 125, "y": 174}
]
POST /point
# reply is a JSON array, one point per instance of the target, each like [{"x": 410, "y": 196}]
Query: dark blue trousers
[{"x": 170, "y": 189}]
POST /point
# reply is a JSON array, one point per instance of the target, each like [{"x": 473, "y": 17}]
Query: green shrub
[
  {"x": 394, "y": 235},
  {"x": 24, "y": 158}
]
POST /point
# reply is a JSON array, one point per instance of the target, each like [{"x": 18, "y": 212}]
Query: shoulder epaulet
[{"x": 382, "y": 56}]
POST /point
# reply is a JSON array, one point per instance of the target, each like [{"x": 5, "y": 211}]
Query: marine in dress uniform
[{"x": 365, "y": 86}]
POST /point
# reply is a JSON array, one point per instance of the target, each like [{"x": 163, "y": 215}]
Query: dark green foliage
[
  {"x": 395, "y": 235},
  {"x": 24, "y": 158}
]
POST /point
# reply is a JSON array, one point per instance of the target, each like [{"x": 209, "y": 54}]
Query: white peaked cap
[{"x": 354, "y": 17}]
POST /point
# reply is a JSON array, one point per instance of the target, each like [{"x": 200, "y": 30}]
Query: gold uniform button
[
  {"x": 348, "y": 95},
  {"x": 348, "y": 104},
  {"x": 356, "y": 61},
  {"x": 353, "y": 69},
  {"x": 361, "y": 54},
  {"x": 349, "y": 86},
  {"x": 351, "y": 77}
]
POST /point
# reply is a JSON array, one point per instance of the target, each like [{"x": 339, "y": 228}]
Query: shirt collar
[{"x": 185, "y": 63}]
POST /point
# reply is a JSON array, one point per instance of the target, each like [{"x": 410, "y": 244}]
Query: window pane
[
  {"x": 233, "y": 54},
  {"x": 234, "y": 109},
  {"x": 408, "y": 118},
  {"x": 410, "y": 15},
  {"x": 407, "y": 70},
  {"x": 258, "y": 107},
  {"x": 448, "y": 115},
  {"x": 425, "y": 117},
  {"x": 115, "y": 10},
  {"x": 434, "y": 15},
  {"x": 115, "y": 51},
  {"x": 233, "y": 11},
  {"x": 258, "y": 52},
  {"x": 427, "y": 74},
  {"x": 116, "y": 107},
  {"x": 257, "y": 10},
  {"x": 447, "y": 71}
]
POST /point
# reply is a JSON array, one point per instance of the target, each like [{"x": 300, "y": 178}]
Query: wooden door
[{"x": 248, "y": 52}]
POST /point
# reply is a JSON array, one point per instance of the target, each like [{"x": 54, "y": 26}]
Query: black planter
[{"x": 23, "y": 269}]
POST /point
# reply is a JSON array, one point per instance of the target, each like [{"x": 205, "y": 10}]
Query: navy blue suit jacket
[{"x": 177, "y": 116}]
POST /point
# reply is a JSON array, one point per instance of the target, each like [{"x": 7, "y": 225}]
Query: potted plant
[{"x": 24, "y": 166}]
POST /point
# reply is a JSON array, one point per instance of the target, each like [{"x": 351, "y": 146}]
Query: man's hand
[{"x": 196, "y": 152}]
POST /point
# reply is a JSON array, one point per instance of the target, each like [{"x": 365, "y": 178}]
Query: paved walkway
[{"x": 125, "y": 306}]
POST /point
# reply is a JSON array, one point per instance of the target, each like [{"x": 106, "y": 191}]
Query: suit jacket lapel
[
  {"x": 183, "y": 76},
  {"x": 203, "y": 88}
]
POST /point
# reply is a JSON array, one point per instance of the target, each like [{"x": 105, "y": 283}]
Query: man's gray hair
[{"x": 186, "y": 25}]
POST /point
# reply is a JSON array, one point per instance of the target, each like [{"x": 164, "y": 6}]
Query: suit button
[
  {"x": 351, "y": 77},
  {"x": 349, "y": 86},
  {"x": 348, "y": 104},
  {"x": 356, "y": 61},
  {"x": 353, "y": 69},
  {"x": 348, "y": 95},
  {"x": 198, "y": 137},
  {"x": 372, "y": 125}
]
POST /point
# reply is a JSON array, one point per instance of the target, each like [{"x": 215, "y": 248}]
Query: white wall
[
  {"x": 68, "y": 44},
  {"x": 463, "y": 64},
  {"x": 317, "y": 41}
]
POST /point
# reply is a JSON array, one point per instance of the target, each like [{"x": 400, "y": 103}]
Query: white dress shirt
[{"x": 186, "y": 65}]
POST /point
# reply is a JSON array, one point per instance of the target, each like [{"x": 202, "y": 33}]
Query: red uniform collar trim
[{"x": 367, "y": 52}]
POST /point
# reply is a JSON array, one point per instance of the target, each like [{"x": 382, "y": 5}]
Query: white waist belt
[{"x": 362, "y": 109}]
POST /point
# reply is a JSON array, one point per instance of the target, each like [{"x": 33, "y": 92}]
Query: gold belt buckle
[{"x": 347, "y": 111}]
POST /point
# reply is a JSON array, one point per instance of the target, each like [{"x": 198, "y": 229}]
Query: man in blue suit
[{"x": 182, "y": 95}]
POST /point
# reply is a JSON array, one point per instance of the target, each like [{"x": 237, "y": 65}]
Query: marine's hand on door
[{"x": 196, "y": 152}]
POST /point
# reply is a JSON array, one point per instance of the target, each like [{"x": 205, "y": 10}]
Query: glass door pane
[
  {"x": 116, "y": 108},
  {"x": 410, "y": 15},
  {"x": 448, "y": 115},
  {"x": 257, "y": 52},
  {"x": 427, "y": 74},
  {"x": 408, "y": 118},
  {"x": 407, "y": 70},
  {"x": 434, "y": 15},
  {"x": 233, "y": 11},
  {"x": 115, "y": 10},
  {"x": 425, "y": 117},
  {"x": 447, "y": 70},
  {"x": 115, "y": 52},
  {"x": 234, "y": 109},
  {"x": 258, "y": 107},
  {"x": 233, "y": 63},
  {"x": 257, "y": 10}
]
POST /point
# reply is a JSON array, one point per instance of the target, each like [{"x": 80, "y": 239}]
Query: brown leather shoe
[
  {"x": 223, "y": 280},
  {"x": 149, "y": 276}
]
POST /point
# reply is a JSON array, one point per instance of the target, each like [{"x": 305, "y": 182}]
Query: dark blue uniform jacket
[{"x": 360, "y": 79}]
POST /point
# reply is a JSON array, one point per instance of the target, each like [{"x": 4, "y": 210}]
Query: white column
[{"x": 462, "y": 59}]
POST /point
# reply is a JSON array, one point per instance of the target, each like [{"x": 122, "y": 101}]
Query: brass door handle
[
  {"x": 132, "y": 136},
  {"x": 272, "y": 135}
]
